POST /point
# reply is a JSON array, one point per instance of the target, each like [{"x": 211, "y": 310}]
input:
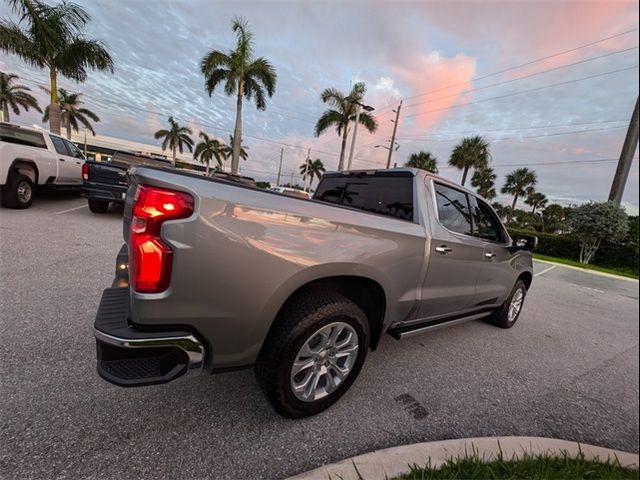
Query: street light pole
[
  {"x": 307, "y": 175},
  {"x": 280, "y": 166},
  {"x": 353, "y": 140}
]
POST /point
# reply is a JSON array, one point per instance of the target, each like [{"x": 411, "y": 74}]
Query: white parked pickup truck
[{"x": 31, "y": 158}]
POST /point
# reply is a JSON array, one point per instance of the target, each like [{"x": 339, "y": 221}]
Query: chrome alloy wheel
[
  {"x": 516, "y": 304},
  {"x": 324, "y": 361},
  {"x": 24, "y": 192}
]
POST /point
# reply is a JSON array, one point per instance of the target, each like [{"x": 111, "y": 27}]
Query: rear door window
[
  {"x": 73, "y": 150},
  {"x": 59, "y": 145},
  {"x": 390, "y": 195},
  {"x": 453, "y": 209}
]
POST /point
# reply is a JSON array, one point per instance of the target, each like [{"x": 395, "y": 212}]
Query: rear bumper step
[{"x": 129, "y": 356}]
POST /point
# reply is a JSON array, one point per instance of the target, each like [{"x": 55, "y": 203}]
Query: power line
[
  {"x": 556, "y": 134},
  {"x": 504, "y": 82},
  {"x": 512, "y": 94},
  {"x": 566, "y": 162},
  {"x": 532, "y": 127},
  {"x": 531, "y": 62}
]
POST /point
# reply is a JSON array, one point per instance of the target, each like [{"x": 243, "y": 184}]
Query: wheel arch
[
  {"x": 527, "y": 278},
  {"x": 26, "y": 167},
  {"x": 365, "y": 292}
]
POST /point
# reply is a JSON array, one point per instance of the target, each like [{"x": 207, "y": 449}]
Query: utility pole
[
  {"x": 626, "y": 157},
  {"x": 393, "y": 136},
  {"x": 353, "y": 140},
  {"x": 280, "y": 166}
]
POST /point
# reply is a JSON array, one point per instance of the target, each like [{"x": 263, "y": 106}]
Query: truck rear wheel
[
  {"x": 18, "y": 192},
  {"x": 314, "y": 353},
  {"x": 98, "y": 206}
]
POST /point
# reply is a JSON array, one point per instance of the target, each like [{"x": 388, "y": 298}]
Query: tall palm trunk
[
  {"x": 237, "y": 132},
  {"x": 68, "y": 125},
  {"x": 207, "y": 167},
  {"x": 513, "y": 207},
  {"x": 464, "y": 175},
  {"x": 175, "y": 153},
  {"x": 5, "y": 112},
  {"x": 54, "y": 108},
  {"x": 343, "y": 147}
]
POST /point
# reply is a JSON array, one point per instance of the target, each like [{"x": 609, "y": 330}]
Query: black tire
[
  {"x": 98, "y": 206},
  {"x": 18, "y": 192},
  {"x": 295, "y": 325},
  {"x": 501, "y": 316}
]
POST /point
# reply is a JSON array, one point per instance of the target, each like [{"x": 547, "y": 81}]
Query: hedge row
[{"x": 622, "y": 257}]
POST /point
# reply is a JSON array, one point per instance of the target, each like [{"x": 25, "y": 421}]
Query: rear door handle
[
  {"x": 443, "y": 249},
  {"x": 489, "y": 254},
  {"x": 61, "y": 159}
]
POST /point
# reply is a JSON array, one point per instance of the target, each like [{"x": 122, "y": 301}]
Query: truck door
[
  {"x": 69, "y": 167},
  {"x": 496, "y": 277},
  {"x": 454, "y": 258},
  {"x": 75, "y": 163}
]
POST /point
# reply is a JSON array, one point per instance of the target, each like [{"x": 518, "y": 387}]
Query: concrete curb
[
  {"x": 586, "y": 270},
  {"x": 391, "y": 462}
]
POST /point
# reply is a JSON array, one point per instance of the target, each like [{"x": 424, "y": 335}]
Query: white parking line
[
  {"x": 71, "y": 209},
  {"x": 586, "y": 288},
  {"x": 545, "y": 271}
]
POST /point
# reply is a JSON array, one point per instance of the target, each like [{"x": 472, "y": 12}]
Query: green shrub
[{"x": 622, "y": 256}]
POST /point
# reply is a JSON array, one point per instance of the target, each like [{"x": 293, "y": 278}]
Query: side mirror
[{"x": 525, "y": 242}]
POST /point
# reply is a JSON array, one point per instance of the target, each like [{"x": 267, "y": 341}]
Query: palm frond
[
  {"x": 329, "y": 119},
  {"x": 369, "y": 122}
]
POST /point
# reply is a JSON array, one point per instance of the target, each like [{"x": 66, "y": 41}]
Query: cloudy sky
[{"x": 451, "y": 63}]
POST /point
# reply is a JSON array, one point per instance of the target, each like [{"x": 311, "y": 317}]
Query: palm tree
[
  {"x": 343, "y": 113},
  {"x": 51, "y": 37},
  {"x": 207, "y": 150},
  {"x": 471, "y": 152},
  {"x": 227, "y": 150},
  {"x": 536, "y": 200},
  {"x": 176, "y": 138},
  {"x": 15, "y": 96},
  {"x": 423, "y": 161},
  {"x": 483, "y": 181},
  {"x": 313, "y": 168},
  {"x": 519, "y": 183},
  {"x": 242, "y": 75},
  {"x": 72, "y": 112}
]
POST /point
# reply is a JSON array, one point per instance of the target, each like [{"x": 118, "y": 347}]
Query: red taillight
[
  {"x": 151, "y": 257},
  {"x": 85, "y": 171}
]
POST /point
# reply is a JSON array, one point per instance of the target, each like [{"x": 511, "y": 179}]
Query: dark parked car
[{"x": 105, "y": 183}]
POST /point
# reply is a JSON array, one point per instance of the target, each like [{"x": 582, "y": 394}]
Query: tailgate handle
[{"x": 443, "y": 249}]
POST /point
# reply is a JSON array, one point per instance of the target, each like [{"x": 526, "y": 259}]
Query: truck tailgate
[{"x": 108, "y": 174}]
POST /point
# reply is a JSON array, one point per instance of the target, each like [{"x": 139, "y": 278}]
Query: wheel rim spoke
[{"x": 324, "y": 361}]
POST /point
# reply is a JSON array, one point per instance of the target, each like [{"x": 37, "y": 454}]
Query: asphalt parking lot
[{"x": 569, "y": 369}]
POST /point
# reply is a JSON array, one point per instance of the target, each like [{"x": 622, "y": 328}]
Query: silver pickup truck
[{"x": 218, "y": 276}]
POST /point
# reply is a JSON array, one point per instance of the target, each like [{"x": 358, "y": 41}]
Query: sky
[{"x": 562, "y": 112}]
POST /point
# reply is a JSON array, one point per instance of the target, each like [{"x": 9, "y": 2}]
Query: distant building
[{"x": 101, "y": 148}]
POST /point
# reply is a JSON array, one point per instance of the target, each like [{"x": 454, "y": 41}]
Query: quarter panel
[{"x": 245, "y": 251}]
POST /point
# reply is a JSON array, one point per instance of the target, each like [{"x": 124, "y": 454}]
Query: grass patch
[
  {"x": 629, "y": 273},
  {"x": 540, "y": 467}
]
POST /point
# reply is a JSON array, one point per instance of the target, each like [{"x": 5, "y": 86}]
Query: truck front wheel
[
  {"x": 18, "y": 192},
  {"x": 98, "y": 206},
  {"x": 314, "y": 353}
]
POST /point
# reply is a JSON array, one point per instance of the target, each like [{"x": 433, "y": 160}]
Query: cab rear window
[{"x": 384, "y": 194}]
